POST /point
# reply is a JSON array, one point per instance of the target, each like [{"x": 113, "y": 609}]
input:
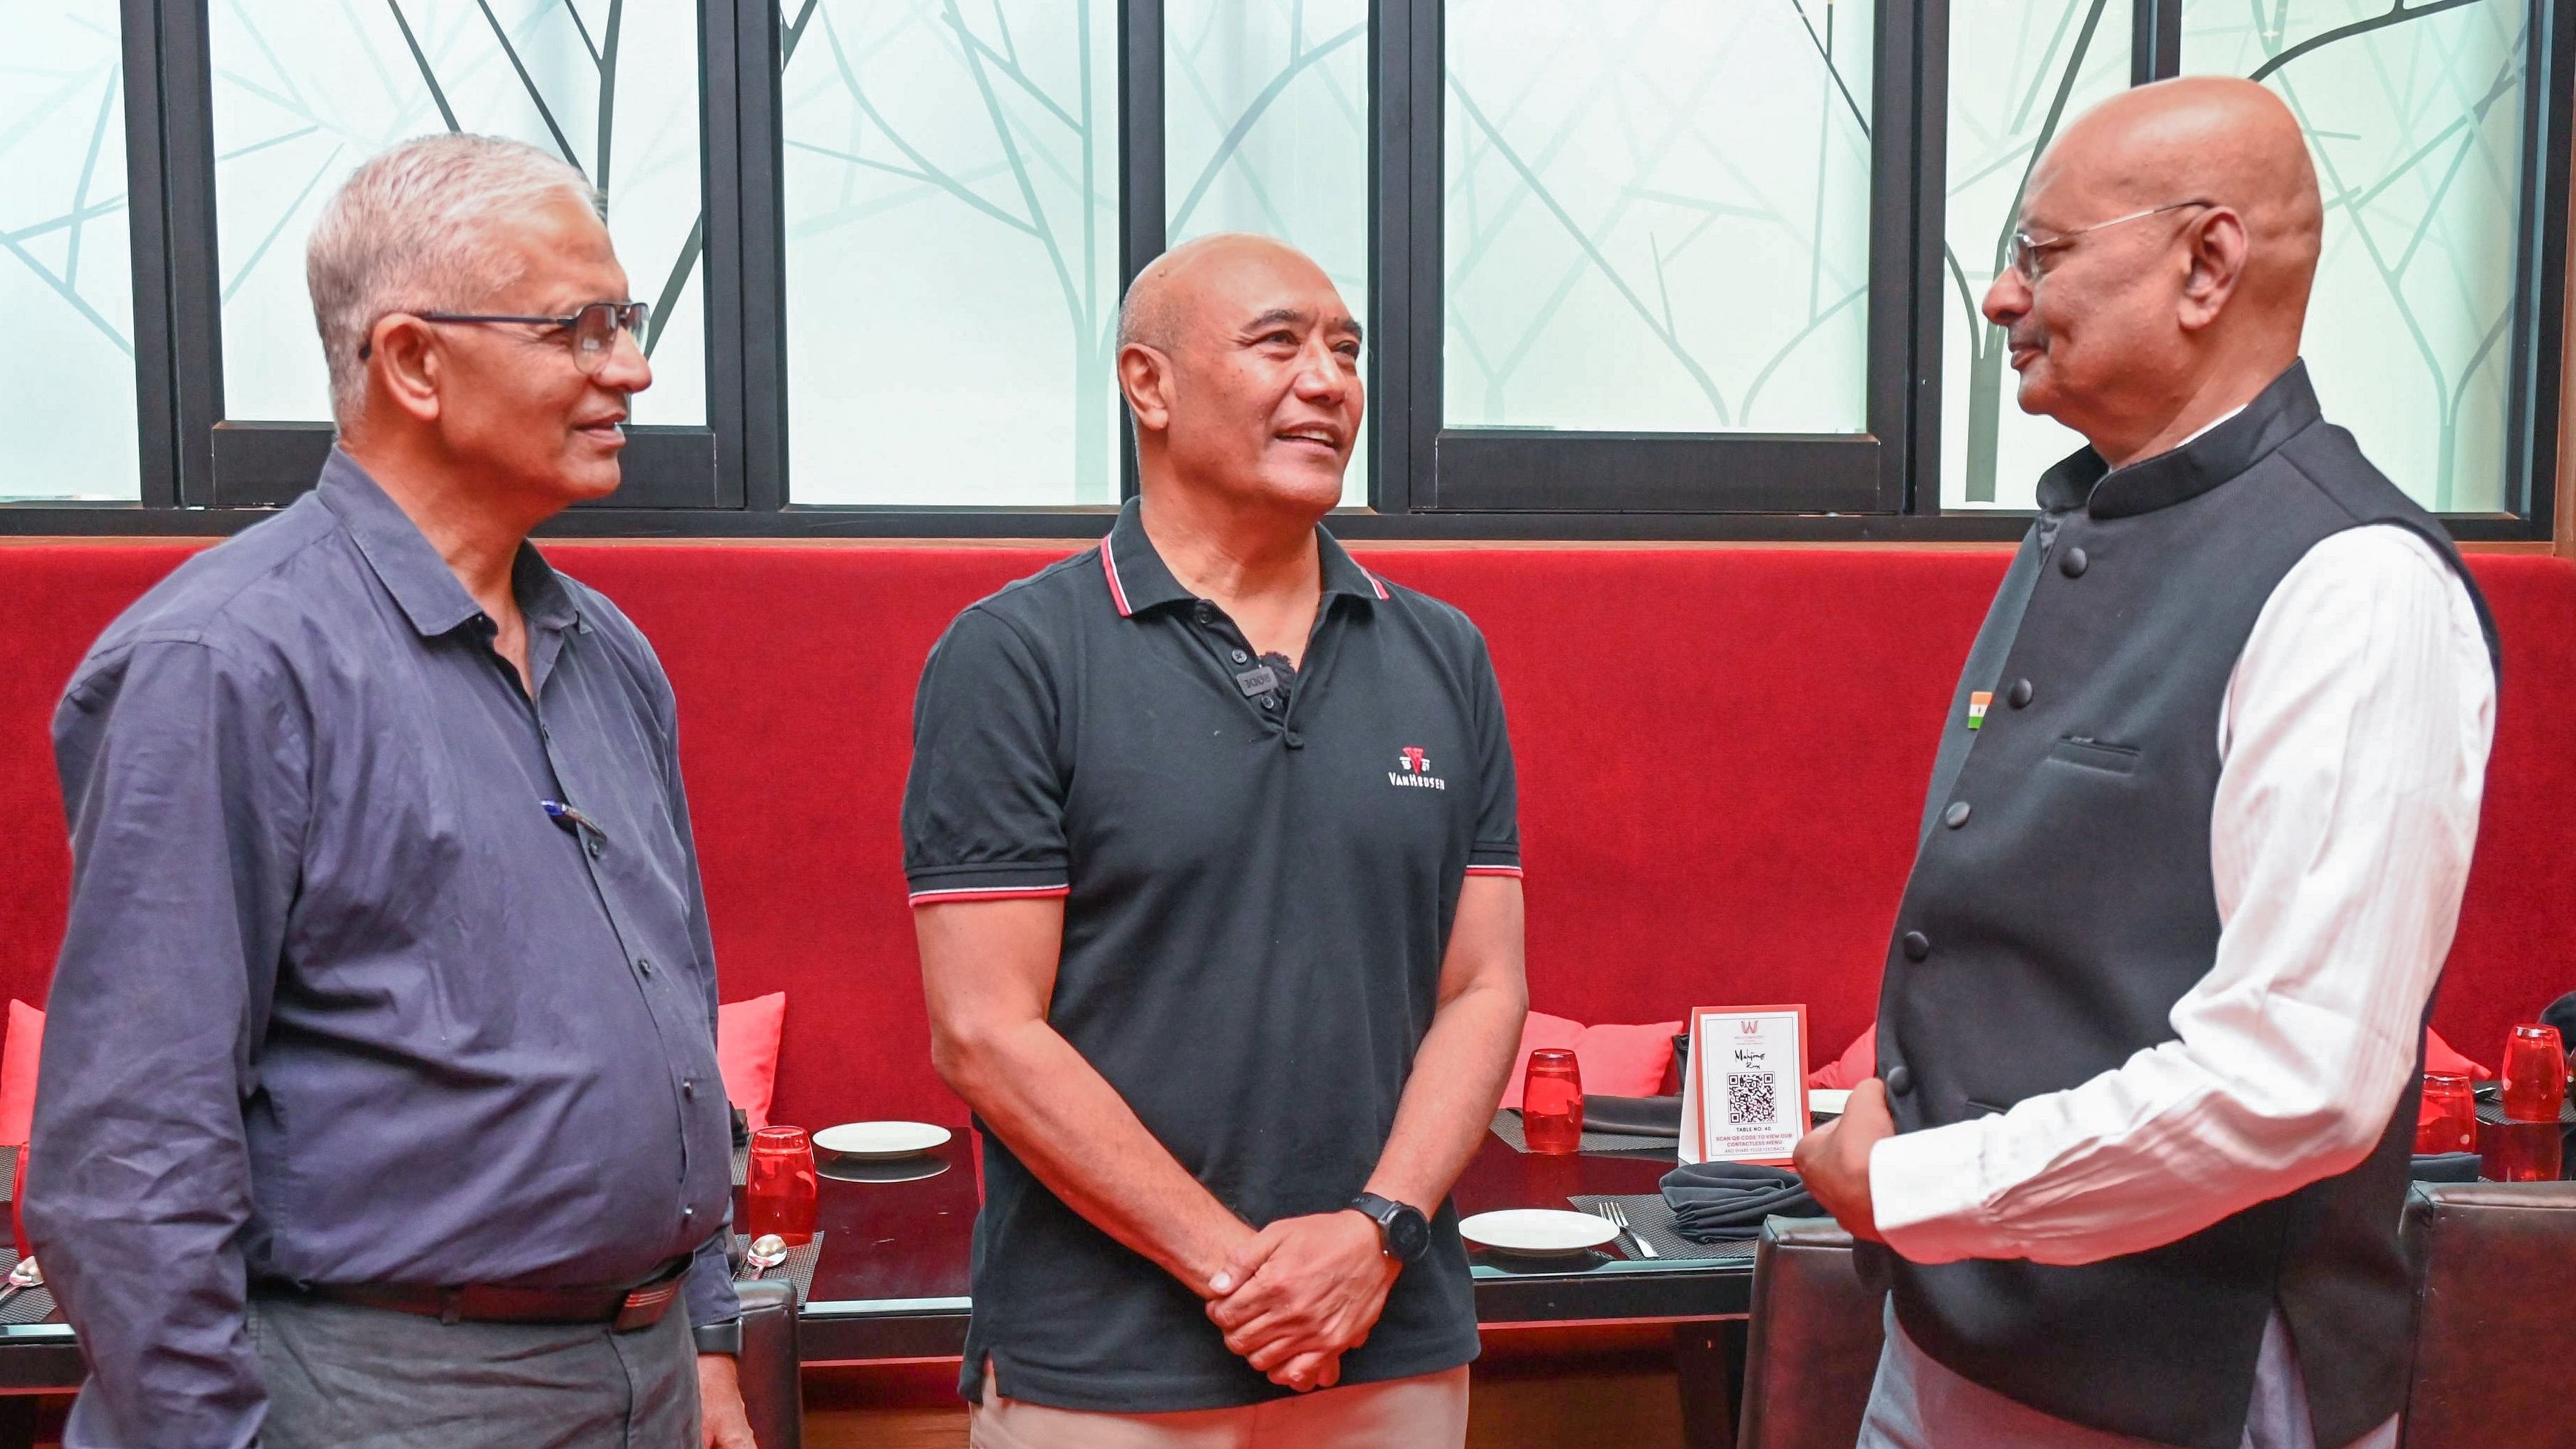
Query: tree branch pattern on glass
[
  {"x": 67, "y": 386},
  {"x": 305, "y": 90},
  {"x": 2018, "y": 72},
  {"x": 2414, "y": 114},
  {"x": 1618, "y": 257},
  {"x": 1266, "y": 131},
  {"x": 952, "y": 251},
  {"x": 2412, "y": 111}
]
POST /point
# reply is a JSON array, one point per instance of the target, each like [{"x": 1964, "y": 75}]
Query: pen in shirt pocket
[{"x": 573, "y": 820}]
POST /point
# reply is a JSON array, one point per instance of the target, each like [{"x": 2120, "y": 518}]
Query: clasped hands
[{"x": 1295, "y": 1296}]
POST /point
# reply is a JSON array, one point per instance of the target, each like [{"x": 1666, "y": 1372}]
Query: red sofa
[{"x": 1722, "y": 754}]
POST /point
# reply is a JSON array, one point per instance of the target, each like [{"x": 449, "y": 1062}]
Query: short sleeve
[
  {"x": 1497, "y": 848},
  {"x": 983, "y": 810}
]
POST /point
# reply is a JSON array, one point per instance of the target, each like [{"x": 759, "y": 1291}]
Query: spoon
[
  {"x": 767, "y": 1252},
  {"x": 27, "y": 1275}
]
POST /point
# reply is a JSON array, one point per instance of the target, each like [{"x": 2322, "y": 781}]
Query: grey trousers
[
  {"x": 341, "y": 1377},
  {"x": 1918, "y": 1403}
]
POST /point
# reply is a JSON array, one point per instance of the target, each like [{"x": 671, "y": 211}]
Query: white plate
[
  {"x": 1828, "y": 1099},
  {"x": 1538, "y": 1232},
  {"x": 879, "y": 1141}
]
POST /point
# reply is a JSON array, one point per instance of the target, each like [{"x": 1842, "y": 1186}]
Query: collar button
[{"x": 2074, "y": 564}]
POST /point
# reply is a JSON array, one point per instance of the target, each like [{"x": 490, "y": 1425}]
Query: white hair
[{"x": 420, "y": 227}]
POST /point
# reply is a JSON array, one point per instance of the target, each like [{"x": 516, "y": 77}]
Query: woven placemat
[
  {"x": 2491, "y": 1110},
  {"x": 798, "y": 1269},
  {"x": 1507, "y": 1126},
  {"x": 741, "y": 1165},
  {"x": 33, "y": 1306},
  {"x": 1651, "y": 1218}
]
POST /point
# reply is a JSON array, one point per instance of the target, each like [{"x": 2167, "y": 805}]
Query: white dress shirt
[{"x": 2353, "y": 739}]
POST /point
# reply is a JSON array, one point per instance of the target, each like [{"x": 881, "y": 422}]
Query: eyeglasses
[
  {"x": 2026, "y": 248},
  {"x": 591, "y": 333}
]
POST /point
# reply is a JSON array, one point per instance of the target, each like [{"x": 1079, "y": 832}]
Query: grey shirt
[{"x": 340, "y": 1000}]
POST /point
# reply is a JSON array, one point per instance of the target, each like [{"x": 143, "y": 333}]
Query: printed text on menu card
[{"x": 1747, "y": 1097}]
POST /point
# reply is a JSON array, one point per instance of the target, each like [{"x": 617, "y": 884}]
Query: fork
[{"x": 1617, "y": 1217}]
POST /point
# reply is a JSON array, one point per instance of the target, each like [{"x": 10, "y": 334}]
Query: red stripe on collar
[{"x": 1117, "y": 591}]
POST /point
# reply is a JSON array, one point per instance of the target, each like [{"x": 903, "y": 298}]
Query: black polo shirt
[{"x": 1259, "y": 885}]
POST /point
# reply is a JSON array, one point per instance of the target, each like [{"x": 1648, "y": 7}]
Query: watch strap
[{"x": 725, "y": 1337}]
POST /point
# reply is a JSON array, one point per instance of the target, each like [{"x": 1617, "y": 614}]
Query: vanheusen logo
[{"x": 1414, "y": 771}]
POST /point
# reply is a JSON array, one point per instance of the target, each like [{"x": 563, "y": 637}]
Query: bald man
[
  {"x": 1212, "y": 847},
  {"x": 2190, "y": 861}
]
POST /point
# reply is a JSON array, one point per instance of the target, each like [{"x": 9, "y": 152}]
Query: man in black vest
[{"x": 2191, "y": 857}]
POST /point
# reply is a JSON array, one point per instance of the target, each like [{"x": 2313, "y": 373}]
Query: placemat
[
  {"x": 33, "y": 1306},
  {"x": 1650, "y": 1218},
  {"x": 798, "y": 1269},
  {"x": 1507, "y": 1126},
  {"x": 2492, "y": 1110},
  {"x": 741, "y": 1165}
]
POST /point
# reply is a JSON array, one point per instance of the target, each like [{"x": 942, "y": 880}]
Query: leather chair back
[
  {"x": 2495, "y": 1334},
  {"x": 771, "y": 1396},
  {"x": 1815, "y": 1339}
]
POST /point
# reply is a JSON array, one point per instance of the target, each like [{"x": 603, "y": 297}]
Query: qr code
[{"x": 1749, "y": 1100}]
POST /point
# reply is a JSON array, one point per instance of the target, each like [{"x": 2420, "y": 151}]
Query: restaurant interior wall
[{"x": 1655, "y": 271}]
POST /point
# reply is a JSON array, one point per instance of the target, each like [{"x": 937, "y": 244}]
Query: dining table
[{"x": 889, "y": 1280}]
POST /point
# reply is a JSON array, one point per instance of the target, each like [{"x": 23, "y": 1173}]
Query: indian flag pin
[{"x": 1977, "y": 703}]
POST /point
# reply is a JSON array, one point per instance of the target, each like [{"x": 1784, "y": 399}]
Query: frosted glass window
[
  {"x": 2010, "y": 62},
  {"x": 952, "y": 251},
  {"x": 67, "y": 425},
  {"x": 2415, "y": 124},
  {"x": 1657, "y": 215},
  {"x": 1266, "y": 129},
  {"x": 305, "y": 90}
]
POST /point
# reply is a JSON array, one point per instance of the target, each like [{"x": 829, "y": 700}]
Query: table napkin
[{"x": 1716, "y": 1202}]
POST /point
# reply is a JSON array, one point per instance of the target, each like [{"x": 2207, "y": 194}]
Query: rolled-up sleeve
[{"x": 183, "y": 772}]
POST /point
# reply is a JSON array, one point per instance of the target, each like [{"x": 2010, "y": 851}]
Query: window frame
[{"x": 205, "y": 474}]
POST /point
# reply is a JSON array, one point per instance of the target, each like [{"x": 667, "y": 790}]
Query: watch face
[{"x": 1408, "y": 1233}]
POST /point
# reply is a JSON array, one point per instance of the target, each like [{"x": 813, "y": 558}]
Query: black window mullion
[
  {"x": 1927, "y": 296},
  {"x": 1405, "y": 256},
  {"x": 723, "y": 224},
  {"x": 148, "y": 230},
  {"x": 192, "y": 279},
  {"x": 2533, "y": 407},
  {"x": 2155, "y": 41},
  {"x": 1142, "y": 230},
  {"x": 757, "y": 340}
]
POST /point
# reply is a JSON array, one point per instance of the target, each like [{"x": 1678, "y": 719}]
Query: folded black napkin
[
  {"x": 1724, "y": 1202},
  {"x": 1634, "y": 1116},
  {"x": 2445, "y": 1167}
]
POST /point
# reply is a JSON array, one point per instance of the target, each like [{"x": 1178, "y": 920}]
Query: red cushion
[
  {"x": 747, "y": 1052},
  {"x": 1857, "y": 1064},
  {"x": 1616, "y": 1061},
  {"x": 1722, "y": 760},
  {"x": 18, "y": 1058}
]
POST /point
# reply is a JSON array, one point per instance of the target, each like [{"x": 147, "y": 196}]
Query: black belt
[{"x": 623, "y": 1309}]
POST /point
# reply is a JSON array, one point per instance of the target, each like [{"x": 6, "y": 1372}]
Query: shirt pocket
[{"x": 2092, "y": 754}]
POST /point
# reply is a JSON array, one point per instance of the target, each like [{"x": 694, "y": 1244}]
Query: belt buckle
[{"x": 644, "y": 1306}]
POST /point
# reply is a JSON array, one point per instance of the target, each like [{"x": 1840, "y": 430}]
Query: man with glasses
[
  {"x": 2190, "y": 861},
  {"x": 380, "y": 1102}
]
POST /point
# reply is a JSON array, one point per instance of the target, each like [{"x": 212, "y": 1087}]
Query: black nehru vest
[{"x": 2062, "y": 903}]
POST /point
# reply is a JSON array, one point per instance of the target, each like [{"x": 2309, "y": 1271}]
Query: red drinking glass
[
  {"x": 2454, "y": 1127},
  {"x": 780, "y": 1186},
  {"x": 2520, "y": 1151},
  {"x": 2535, "y": 1074},
  {"x": 1552, "y": 1102}
]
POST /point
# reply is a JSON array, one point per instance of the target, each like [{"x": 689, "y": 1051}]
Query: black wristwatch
[{"x": 1402, "y": 1232}]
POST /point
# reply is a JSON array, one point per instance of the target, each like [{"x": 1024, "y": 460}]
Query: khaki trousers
[{"x": 1429, "y": 1412}]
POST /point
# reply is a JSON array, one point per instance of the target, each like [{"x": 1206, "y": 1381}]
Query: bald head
[
  {"x": 1240, "y": 364},
  {"x": 2209, "y": 138},
  {"x": 1184, "y": 286},
  {"x": 2173, "y": 234}
]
